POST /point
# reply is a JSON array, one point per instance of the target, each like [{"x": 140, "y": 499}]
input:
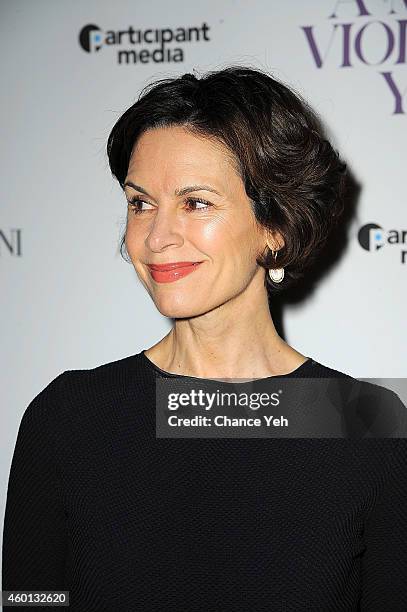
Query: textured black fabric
[{"x": 99, "y": 506}]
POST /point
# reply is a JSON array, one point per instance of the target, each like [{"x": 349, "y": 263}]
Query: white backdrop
[{"x": 68, "y": 299}]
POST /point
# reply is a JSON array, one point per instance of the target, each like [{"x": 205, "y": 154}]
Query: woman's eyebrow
[{"x": 177, "y": 192}]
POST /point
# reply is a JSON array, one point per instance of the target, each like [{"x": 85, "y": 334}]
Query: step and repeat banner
[{"x": 70, "y": 69}]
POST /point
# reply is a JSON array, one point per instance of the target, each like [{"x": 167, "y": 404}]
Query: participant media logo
[
  {"x": 373, "y": 237},
  {"x": 150, "y": 45},
  {"x": 90, "y": 38}
]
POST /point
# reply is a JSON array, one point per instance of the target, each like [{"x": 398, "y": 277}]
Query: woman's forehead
[
  {"x": 171, "y": 154},
  {"x": 179, "y": 142}
]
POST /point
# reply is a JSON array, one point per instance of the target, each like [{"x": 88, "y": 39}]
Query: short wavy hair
[{"x": 293, "y": 176}]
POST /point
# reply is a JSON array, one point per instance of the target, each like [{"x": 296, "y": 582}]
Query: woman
[{"x": 232, "y": 192}]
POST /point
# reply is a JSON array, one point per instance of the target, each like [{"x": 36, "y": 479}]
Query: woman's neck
[{"x": 233, "y": 341}]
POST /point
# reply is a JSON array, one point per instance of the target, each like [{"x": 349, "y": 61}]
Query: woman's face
[{"x": 217, "y": 228}]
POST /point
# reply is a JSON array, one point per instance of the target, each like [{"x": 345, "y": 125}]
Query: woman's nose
[{"x": 166, "y": 230}]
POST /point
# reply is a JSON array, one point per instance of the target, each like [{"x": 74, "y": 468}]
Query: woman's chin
[{"x": 176, "y": 308}]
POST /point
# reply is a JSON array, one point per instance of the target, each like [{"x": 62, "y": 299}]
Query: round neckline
[{"x": 303, "y": 367}]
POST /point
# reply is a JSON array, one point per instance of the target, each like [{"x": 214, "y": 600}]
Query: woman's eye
[
  {"x": 196, "y": 201},
  {"x": 135, "y": 203},
  {"x": 197, "y": 204}
]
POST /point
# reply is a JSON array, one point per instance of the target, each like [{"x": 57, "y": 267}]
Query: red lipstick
[{"x": 169, "y": 272}]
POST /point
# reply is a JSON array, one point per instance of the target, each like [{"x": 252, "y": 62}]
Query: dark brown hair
[{"x": 292, "y": 175}]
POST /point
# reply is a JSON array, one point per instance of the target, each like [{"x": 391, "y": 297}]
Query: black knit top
[{"x": 97, "y": 505}]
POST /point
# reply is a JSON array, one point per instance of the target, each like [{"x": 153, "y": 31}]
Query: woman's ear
[{"x": 274, "y": 240}]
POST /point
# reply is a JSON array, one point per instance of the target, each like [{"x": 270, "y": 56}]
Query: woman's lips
[{"x": 167, "y": 273}]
